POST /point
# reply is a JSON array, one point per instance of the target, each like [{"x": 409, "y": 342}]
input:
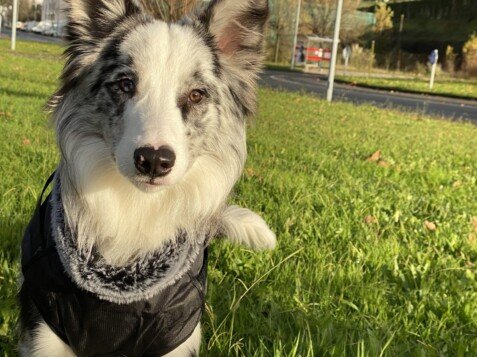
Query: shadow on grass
[
  {"x": 23, "y": 94},
  {"x": 10, "y": 239},
  {"x": 11, "y": 234},
  {"x": 29, "y": 80}
]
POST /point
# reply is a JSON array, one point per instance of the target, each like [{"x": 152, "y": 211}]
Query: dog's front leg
[
  {"x": 242, "y": 226},
  {"x": 43, "y": 342}
]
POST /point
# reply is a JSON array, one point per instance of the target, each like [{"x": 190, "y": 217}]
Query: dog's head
[{"x": 151, "y": 100}]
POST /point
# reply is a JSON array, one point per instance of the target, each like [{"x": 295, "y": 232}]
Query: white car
[
  {"x": 42, "y": 27},
  {"x": 30, "y": 25},
  {"x": 57, "y": 29},
  {"x": 52, "y": 31}
]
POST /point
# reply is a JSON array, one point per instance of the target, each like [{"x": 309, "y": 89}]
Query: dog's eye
[
  {"x": 196, "y": 96},
  {"x": 127, "y": 85}
]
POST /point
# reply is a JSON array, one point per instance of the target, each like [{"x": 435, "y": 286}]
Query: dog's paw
[{"x": 243, "y": 226}]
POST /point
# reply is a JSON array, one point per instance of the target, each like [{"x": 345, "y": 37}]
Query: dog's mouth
[{"x": 148, "y": 184}]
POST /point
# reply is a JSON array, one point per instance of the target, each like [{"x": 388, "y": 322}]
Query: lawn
[
  {"x": 377, "y": 253},
  {"x": 450, "y": 87}
]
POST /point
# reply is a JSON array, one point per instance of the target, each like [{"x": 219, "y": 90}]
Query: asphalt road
[
  {"x": 30, "y": 36},
  {"x": 455, "y": 109}
]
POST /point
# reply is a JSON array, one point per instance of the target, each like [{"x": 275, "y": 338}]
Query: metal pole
[
  {"x": 297, "y": 24},
  {"x": 334, "y": 52},
  {"x": 401, "y": 27},
  {"x": 14, "y": 24},
  {"x": 57, "y": 16},
  {"x": 433, "y": 70}
]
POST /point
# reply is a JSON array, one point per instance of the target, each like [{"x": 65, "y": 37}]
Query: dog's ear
[
  {"x": 91, "y": 21},
  {"x": 236, "y": 28}
]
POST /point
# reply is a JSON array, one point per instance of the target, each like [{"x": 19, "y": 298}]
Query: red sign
[{"x": 317, "y": 54}]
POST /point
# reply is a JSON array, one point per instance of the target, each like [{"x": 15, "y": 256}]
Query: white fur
[
  {"x": 242, "y": 226},
  {"x": 129, "y": 222},
  {"x": 47, "y": 344},
  {"x": 190, "y": 347},
  {"x": 123, "y": 221}
]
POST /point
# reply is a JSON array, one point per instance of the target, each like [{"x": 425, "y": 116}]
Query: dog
[{"x": 150, "y": 120}]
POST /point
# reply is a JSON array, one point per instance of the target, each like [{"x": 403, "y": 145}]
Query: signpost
[
  {"x": 334, "y": 52},
  {"x": 346, "y": 57},
  {"x": 433, "y": 58},
  {"x": 14, "y": 24}
]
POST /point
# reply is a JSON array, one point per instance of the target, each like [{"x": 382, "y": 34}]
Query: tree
[
  {"x": 26, "y": 9},
  {"x": 384, "y": 17},
  {"x": 469, "y": 52},
  {"x": 282, "y": 15},
  {"x": 170, "y": 10},
  {"x": 320, "y": 16}
]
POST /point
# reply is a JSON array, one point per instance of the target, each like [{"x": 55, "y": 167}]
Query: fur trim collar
[{"x": 138, "y": 281}]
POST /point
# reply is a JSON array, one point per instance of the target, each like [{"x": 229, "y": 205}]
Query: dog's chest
[{"x": 151, "y": 306}]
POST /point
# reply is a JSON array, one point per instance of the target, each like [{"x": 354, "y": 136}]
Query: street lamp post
[
  {"x": 14, "y": 24},
  {"x": 295, "y": 39},
  {"x": 334, "y": 52},
  {"x": 1, "y": 17}
]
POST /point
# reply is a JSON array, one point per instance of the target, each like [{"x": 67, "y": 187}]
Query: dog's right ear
[{"x": 91, "y": 21}]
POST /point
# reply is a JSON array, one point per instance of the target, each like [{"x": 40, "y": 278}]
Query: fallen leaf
[
  {"x": 249, "y": 171},
  {"x": 383, "y": 163},
  {"x": 472, "y": 238},
  {"x": 26, "y": 142},
  {"x": 370, "y": 220},
  {"x": 457, "y": 184},
  {"x": 6, "y": 114},
  {"x": 430, "y": 226},
  {"x": 375, "y": 157},
  {"x": 474, "y": 223}
]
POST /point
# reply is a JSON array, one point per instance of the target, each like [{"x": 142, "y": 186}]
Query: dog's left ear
[
  {"x": 236, "y": 30},
  {"x": 237, "y": 25}
]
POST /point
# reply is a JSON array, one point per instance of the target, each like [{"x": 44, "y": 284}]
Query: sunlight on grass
[{"x": 445, "y": 87}]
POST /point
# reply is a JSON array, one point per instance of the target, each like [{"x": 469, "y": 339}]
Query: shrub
[
  {"x": 470, "y": 55},
  {"x": 449, "y": 64},
  {"x": 361, "y": 58}
]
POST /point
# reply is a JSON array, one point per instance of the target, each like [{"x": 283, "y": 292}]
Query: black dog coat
[{"x": 89, "y": 323}]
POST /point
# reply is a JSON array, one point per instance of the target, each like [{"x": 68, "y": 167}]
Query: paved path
[{"x": 438, "y": 106}]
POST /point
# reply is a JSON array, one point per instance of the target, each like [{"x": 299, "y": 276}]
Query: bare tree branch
[{"x": 170, "y": 10}]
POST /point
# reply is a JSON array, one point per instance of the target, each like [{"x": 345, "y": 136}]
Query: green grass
[
  {"x": 285, "y": 67},
  {"x": 338, "y": 283},
  {"x": 445, "y": 87}
]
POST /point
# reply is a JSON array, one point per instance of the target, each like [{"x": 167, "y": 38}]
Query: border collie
[{"x": 150, "y": 120}]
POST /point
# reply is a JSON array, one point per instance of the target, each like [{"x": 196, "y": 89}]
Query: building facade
[{"x": 53, "y": 10}]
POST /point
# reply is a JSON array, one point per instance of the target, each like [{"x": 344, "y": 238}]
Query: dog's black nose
[{"x": 154, "y": 163}]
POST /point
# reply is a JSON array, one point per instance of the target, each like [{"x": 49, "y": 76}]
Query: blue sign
[{"x": 434, "y": 57}]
